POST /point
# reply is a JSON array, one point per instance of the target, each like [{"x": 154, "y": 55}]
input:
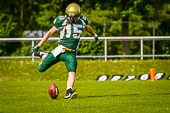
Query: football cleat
[
  {"x": 40, "y": 53},
  {"x": 71, "y": 94}
]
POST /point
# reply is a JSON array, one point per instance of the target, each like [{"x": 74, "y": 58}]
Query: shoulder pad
[
  {"x": 59, "y": 19},
  {"x": 84, "y": 18},
  {"x": 62, "y": 17}
]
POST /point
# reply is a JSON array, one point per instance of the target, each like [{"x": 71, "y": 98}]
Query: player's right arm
[
  {"x": 57, "y": 23},
  {"x": 47, "y": 35}
]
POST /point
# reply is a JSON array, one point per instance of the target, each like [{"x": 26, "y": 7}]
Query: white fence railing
[{"x": 105, "y": 39}]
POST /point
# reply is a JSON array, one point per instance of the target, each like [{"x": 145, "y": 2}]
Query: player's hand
[
  {"x": 35, "y": 48},
  {"x": 96, "y": 37}
]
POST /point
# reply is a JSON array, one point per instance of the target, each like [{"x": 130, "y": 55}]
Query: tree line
[{"x": 133, "y": 18}]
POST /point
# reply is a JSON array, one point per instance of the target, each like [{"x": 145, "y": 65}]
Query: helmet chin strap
[{"x": 72, "y": 21}]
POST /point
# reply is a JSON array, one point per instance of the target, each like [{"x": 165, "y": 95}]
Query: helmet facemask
[{"x": 71, "y": 18}]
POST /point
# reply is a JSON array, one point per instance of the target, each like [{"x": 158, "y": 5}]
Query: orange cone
[{"x": 152, "y": 74}]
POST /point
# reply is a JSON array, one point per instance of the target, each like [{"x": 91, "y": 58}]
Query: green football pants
[{"x": 68, "y": 58}]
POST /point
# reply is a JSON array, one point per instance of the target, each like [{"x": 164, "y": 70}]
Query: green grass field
[
  {"x": 26, "y": 70},
  {"x": 93, "y": 96},
  {"x": 25, "y": 90}
]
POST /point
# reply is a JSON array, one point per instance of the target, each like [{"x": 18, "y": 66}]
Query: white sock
[
  {"x": 69, "y": 88},
  {"x": 45, "y": 55}
]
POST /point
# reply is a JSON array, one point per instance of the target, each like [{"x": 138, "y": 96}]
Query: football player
[{"x": 70, "y": 27}]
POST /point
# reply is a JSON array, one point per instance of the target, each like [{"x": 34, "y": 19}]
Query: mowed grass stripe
[
  {"x": 26, "y": 70},
  {"x": 93, "y": 96}
]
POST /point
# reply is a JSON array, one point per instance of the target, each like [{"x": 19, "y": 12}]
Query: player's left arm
[{"x": 89, "y": 29}]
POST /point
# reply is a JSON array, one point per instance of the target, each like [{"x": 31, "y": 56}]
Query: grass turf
[
  {"x": 24, "y": 89},
  {"x": 93, "y": 96}
]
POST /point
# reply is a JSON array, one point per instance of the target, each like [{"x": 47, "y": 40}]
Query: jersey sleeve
[
  {"x": 58, "y": 21},
  {"x": 85, "y": 19}
]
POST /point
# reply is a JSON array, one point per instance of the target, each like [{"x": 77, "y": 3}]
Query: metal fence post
[
  {"x": 105, "y": 44},
  {"x": 105, "y": 50},
  {"x": 153, "y": 52},
  {"x": 32, "y": 53},
  {"x": 141, "y": 48}
]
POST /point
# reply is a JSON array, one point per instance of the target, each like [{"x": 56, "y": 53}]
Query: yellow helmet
[{"x": 73, "y": 12}]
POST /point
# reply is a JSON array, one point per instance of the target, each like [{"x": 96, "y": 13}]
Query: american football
[{"x": 53, "y": 91}]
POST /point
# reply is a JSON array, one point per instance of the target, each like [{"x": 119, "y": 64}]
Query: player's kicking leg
[{"x": 42, "y": 55}]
